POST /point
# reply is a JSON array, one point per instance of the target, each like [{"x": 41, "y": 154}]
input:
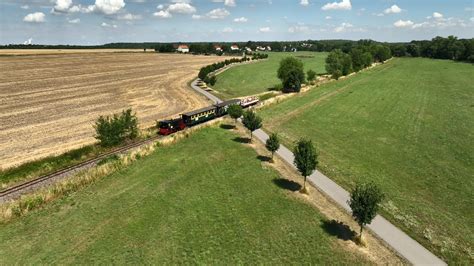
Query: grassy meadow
[
  {"x": 406, "y": 125},
  {"x": 189, "y": 203},
  {"x": 262, "y": 76}
]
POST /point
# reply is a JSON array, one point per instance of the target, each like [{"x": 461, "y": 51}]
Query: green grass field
[
  {"x": 406, "y": 125},
  {"x": 261, "y": 76},
  {"x": 184, "y": 204}
]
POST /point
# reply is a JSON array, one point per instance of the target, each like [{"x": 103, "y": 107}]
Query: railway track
[{"x": 20, "y": 189}]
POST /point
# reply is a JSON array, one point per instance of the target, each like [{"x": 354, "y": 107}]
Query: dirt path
[{"x": 48, "y": 103}]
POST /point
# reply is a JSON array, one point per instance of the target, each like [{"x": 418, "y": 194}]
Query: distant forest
[{"x": 439, "y": 47}]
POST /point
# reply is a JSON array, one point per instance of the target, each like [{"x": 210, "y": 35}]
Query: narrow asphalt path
[{"x": 400, "y": 242}]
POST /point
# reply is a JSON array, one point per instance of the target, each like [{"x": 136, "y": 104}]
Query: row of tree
[
  {"x": 365, "y": 198},
  {"x": 339, "y": 63},
  {"x": 440, "y": 48}
]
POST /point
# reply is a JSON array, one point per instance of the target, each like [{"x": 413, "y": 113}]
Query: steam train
[{"x": 202, "y": 115}]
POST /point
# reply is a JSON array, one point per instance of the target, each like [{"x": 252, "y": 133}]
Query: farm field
[
  {"x": 406, "y": 125},
  {"x": 48, "y": 103},
  {"x": 190, "y": 202},
  {"x": 4, "y": 52},
  {"x": 259, "y": 77}
]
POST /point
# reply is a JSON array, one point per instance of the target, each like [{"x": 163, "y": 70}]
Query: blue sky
[{"x": 104, "y": 21}]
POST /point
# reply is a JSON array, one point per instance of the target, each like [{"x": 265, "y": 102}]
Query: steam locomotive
[{"x": 202, "y": 115}]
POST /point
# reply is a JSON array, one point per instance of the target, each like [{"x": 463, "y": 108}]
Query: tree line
[{"x": 438, "y": 48}]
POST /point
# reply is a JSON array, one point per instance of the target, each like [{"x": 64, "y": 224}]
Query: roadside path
[{"x": 395, "y": 238}]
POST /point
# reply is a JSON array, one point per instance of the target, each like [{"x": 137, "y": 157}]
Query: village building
[{"x": 183, "y": 48}]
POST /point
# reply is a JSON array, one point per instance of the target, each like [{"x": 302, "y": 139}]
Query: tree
[
  {"x": 291, "y": 74},
  {"x": 235, "y": 111},
  {"x": 334, "y": 63},
  {"x": 251, "y": 121},
  {"x": 113, "y": 130},
  {"x": 311, "y": 75},
  {"x": 382, "y": 53},
  {"x": 212, "y": 80},
  {"x": 273, "y": 143},
  {"x": 346, "y": 64},
  {"x": 364, "y": 202},
  {"x": 413, "y": 50},
  {"x": 306, "y": 159},
  {"x": 357, "y": 56}
]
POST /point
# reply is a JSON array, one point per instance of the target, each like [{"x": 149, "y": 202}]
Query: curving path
[{"x": 395, "y": 238}]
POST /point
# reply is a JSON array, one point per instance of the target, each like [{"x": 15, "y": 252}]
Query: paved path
[
  {"x": 205, "y": 93},
  {"x": 394, "y": 237}
]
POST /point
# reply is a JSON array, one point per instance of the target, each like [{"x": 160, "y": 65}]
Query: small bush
[
  {"x": 111, "y": 131},
  {"x": 311, "y": 75}
]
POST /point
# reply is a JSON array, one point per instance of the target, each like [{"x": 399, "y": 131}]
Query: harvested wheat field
[{"x": 48, "y": 103}]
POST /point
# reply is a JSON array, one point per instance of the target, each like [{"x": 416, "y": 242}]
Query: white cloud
[
  {"x": 344, "y": 26},
  {"x": 196, "y": 16},
  {"x": 37, "y": 17},
  {"x": 298, "y": 28},
  {"x": 240, "y": 20},
  {"x": 105, "y": 25},
  {"x": 109, "y": 7},
  {"x": 62, "y": 5},
  {"x": 181, "y": 8},
  {"x": 226, "y": 2},
  {"x": 129, "y": 16},
  {"x": 160, "y": 6},
  {"x": 228, "y": 30},
  {"x": 24, "y": 7},
  {"x": 343, "y": 5},
  {"x": 328, "y": 17},
  {"x": 393, "y": 10},
  {"x": 403, "y": 23},
  {"x": 162, "y": 14},
  {"x": 74, "y": 21},
  {"x": 437, "y": 15},
  {"x": 304, "y": 2},
  {"x": 218, "y": 13},
  {"x": 264, "y": 29},
  {"x": 28, "y": 42}
]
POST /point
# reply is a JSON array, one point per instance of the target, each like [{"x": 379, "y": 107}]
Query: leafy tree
[
  {"x": 334, "y": 63},
  {"x": 291, "y": 74},
  {"x": 113, "y": 130},
  {"x": 212, "y": 80},
  {"x": 357, "y": 56},
  {"x": 273, "y": 143},
  {"x": 251, "y": 121},
  {"x": 413, "y": 50},
  {"x": 399, "y": 50},
  {"x": 311, "y": 75},
  {"x": 306, "y": 158},
  {"x": 382, "y": 53},
  {"x": 367, "y": 59},
  {"x": 235, "y": 111},
  {"x": 346, "y": 64},
  {"x": 364, "y": 202}
]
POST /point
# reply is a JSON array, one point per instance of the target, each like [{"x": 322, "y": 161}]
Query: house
[
  {"x": 183, "y": 48},
  {"x": 269, "y": 48},
  {"x": 260, "y": 48},
  {"x": 234, "y": 47},
  {"x": 248, "y": 50},
  {"x": 218, "y": 48}
]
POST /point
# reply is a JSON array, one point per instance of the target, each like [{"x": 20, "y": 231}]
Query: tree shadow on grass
[
  {"x": 264, "y": 158},
  {"x": 242, "y": 140},
  {"x": 338, "y": 229},
  {"x": 227, "y": 126},
  {"x": 287, "y": 184}
]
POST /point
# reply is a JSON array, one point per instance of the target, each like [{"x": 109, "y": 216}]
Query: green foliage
[
  {"x": 111, "y": 131},
  {"x": 364, "y": 203},
  {"x": 235, "y": 111},
  {"x": 291, "y": 74},
  {"x": 251, "y": 121},
  {"x": 381, "y": 53},
  {"x": 273, "y": 143},
  {"x": 311, "y": 75},
  {"x": 335, "y": 63},
  {"x": 306, "y": 158},
  {"x": 212, "y": 80}
]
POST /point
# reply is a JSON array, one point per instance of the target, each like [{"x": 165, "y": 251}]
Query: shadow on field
[
  {"x": 264, "y": 158},
  {"x": 242, "y": 140},
  {"x": 338, "y": 229},
  {"x": 227, "y": 126},
  {"x": 287, "y": 184}
]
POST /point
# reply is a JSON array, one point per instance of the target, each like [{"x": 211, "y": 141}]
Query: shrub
[
  {"x": 212, "y": 80},
  {"x": 311, "y": 75},
  {"x": 114, "y": 130}
]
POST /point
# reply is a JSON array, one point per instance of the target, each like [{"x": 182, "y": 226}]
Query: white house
[
  {"x": 234, "y": 47},
  {"x": 269, "y": 48},
  {"x": 183, "y": 48},
  {"x": 218, "y": 48},
  {"x": 260, "y": 48}
]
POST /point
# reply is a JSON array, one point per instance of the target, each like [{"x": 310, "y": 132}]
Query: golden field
[{"x": 48, "y": 103}]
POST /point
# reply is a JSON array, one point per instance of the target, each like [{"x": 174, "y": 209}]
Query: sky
[{"x": 91, "y": 22}]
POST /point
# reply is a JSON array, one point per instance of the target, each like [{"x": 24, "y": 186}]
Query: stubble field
[{"x": 48, "y": 103}]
